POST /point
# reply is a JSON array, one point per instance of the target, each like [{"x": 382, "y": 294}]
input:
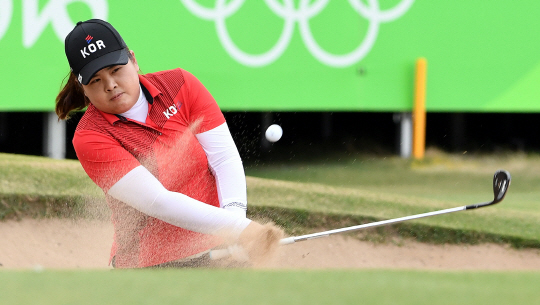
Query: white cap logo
[
  {"x": 92, "y": 47},
  {"x": 80, "y": 78}
]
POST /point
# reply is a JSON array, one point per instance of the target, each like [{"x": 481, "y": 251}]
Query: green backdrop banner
[{"x": 295, "y": 55}]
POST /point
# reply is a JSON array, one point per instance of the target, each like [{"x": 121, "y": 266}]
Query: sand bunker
[{"x": 85, "y": 244}]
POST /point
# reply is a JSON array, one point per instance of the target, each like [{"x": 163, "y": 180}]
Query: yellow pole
[{"x": 419, "y": 111}]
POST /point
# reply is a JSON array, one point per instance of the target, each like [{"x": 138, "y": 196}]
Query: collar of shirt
[{"x": 139, "y": 111}]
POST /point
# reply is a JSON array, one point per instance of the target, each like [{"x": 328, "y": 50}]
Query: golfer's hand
[{"x": 260, "y": 241}]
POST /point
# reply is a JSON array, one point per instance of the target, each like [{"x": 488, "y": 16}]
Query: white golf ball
[{"x": 274, "y": 133}]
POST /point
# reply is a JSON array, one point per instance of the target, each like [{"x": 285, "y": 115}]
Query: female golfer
[{"x": 159, "y": 147}]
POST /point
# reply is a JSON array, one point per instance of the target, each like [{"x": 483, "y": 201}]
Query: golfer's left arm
[{"x": 226, "y": 165}]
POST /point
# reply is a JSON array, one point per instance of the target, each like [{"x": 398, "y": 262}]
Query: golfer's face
[{"x": 114, "y": 89}]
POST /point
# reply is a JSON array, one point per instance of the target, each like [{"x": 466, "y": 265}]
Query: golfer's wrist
[{"x": 237, "y": 208}]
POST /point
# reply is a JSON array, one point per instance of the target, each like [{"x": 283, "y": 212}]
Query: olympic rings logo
[{"x": 300, "y": 15}]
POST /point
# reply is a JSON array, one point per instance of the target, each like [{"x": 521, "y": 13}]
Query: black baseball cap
[{"x": 93, "y": 45}]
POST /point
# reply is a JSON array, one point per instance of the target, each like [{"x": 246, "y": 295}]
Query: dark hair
[{"x": 71, "y": 97}]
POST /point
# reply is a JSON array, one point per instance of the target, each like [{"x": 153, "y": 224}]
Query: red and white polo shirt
[{"x": 109, "y": 146}]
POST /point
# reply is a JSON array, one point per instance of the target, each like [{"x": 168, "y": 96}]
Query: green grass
[
  {"x": 438, "y": 177},
  {"x": 268, "y": 287},
  {"x": 345, "y": 192},
  {"x": 383, "y": 188},
  {"x": 43, "y": 187},
  {"x": 302, "y": 197},
  {"x": 31, "y": 175}
]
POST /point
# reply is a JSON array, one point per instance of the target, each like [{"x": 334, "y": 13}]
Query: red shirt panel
[{"x": 109, "y": 146}]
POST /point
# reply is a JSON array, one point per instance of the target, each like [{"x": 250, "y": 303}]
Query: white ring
[
  {"x": 6, "y": 12},
  {"x": 286, "y": 10},
  {"x": 345, "y": 59},
  {"x": 212, "y": 14},
  {"x": 250, "y": 59},
  {"x": 383, "y": 16}
]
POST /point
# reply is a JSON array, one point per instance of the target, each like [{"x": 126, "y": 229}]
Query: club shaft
[
  {"x": 501, "y": 182},
  {"x": 293, "y": 239},
  {"x": 222, "y": 253}
]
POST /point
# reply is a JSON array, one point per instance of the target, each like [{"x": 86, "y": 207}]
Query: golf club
[{"x": 501, "y": 182}]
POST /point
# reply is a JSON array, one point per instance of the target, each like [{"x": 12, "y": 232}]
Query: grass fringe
[
  {"x": 293, "y": 221},
  {"x": 18, "y": 206}
]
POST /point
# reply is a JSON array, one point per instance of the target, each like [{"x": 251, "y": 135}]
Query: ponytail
[{"x": 71, "y": 98}]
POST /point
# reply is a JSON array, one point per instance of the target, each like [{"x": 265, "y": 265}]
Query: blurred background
[{"x": 338, "y": 76}]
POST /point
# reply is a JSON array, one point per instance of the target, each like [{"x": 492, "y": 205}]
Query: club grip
[{"x": 287, "y": 241}]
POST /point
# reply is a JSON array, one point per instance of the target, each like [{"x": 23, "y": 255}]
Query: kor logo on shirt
[
  {"x": 172, "y": 110},
  {"x": 92, "y": 48}
]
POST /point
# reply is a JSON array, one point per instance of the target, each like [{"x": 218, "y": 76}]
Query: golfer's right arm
[
  {"x": 122, "y": 177},
  {"x": 141, "y": 190}
]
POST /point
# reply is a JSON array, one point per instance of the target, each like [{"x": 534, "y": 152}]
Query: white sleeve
[
  {"x": 226, "y": 165},
  {"x": 141, "y": 190}
]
